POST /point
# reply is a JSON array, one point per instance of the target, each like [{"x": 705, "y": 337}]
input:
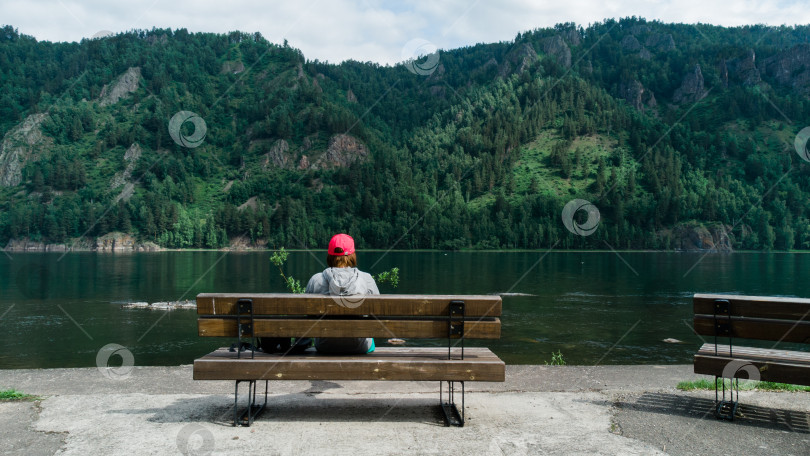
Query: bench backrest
[
  {"x": 753, "y": 317},
  {"x": 313, "y": 315}
]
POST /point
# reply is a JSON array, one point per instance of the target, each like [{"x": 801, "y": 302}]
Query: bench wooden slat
[
  {"x": 754, "y": 353},
  {"x": 385, "y": 363},
  {"x": 756, "y": 306},
  {"x": 757, "y": 328},
  {"x": 770, "y": 370},
  {"x": 313, "y": 304},
  {"x": 415, "y": 329}
]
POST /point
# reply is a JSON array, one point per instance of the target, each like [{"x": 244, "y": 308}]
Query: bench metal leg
[
  {"x": 253, "y": 409},
  {"x": 726, "y": 409},
  {"x": 452, "y": 417}
]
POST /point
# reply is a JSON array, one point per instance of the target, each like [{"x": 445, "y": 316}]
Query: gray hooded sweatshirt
[{"x": 343, "y": 282}]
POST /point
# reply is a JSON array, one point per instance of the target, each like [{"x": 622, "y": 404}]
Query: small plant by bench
[
  {"x": 729, "y": 318},
  {"x": 454, "y": 318}
]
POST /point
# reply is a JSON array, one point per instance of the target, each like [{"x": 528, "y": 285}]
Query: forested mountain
[{"x": 683, "y": 136}]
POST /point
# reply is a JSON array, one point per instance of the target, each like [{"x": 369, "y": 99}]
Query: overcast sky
[{"x": 371, "y": 30}]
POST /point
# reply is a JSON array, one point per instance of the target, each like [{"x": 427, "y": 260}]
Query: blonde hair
[{"x": 342, "y": 261}]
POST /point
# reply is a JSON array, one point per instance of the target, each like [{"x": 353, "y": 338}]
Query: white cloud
[{"x": 374, "y": 30}]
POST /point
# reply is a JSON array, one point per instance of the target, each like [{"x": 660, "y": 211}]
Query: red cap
[{"x": 341, "y": 244}]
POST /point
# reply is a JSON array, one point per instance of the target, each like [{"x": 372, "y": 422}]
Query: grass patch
[
  {"x": 14, "y": 395},
  {"x": 745, "y": 385}
]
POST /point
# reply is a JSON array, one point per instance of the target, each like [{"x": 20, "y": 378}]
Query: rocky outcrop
[
  {"x": 660, "y": 42},
  {"x": 744, "y": 69},
  {"x": 278, "y": 155},
  {"x": 252, "y": 203},
  {"x": 19, "y": 145},
  {"x": 115, "y": 242},
  {"x": 27, "y": 245},
  {"x": 343, "y": 150},
  {"x": 644, "y": 53},
  {"x": 722, "y": 71},
  {"x": 556, "y": 46},
  {"x": 303, "y": 163},
  {"x": 121, "y": 88},
  {"x": 630, "y": 44},
  {"x": 112, "y": 242},
  {"x": 639, "y": 29},
  {"x": 697, "y": 237},
  {"x": 131, "y": 157},
  {"x": 637, "y": 96},
  {"x": 691, "y": 89},
  {"x": 233, "y": 67},
  {"x": 519, "y": 59},
  {"x": 791, "y": 68},
  {"x": 573, "y": 37},
  {"x": 350, "y": 97}
]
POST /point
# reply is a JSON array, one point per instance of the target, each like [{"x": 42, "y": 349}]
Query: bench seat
[
  {"x": 385, "y": 363},
  {"x": 785, "y": 366}
]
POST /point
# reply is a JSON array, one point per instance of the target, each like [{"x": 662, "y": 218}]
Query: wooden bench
[
  {"x": 728, "y": 318},
  {"x": 454, "y": 318}
]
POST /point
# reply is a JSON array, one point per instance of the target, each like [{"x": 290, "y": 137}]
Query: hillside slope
[{"x": 683, "y": 136}]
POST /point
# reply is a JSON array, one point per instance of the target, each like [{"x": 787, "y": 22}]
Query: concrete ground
[{"x": 538, "y": 410}]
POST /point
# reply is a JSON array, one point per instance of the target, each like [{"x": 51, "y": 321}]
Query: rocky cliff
[
  {"x": 556, "y": 46},
  {"x": 111, "y": 242},
  {"x": 744, "y": 70},
  {"x": 123, "y": 178},
  {"x": 233, "y": 67},
  {"x": 343, "y": 150},
  {"x": 691, "y": 89},
  {"x": 791, "y": 68},
  {"x": 122, "y": 87},
  {"x": 278, "y": 155},
  {"x": 19, "y": 145},
  {"x": 660, "y": 42},
  {"x": 637, "y": 96},
  {"x": 518, "y": 59},
  {"x": 697, "y": 237}
]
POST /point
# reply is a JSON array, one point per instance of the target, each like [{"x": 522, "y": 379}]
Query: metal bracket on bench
[
  {"x": 724, "y": 409},
  {"x": 244, "y": 310},
  {"x": 253, "y": 409},
  {"x": 722, "y": 323},
  {"x": 455, "y": 325},
  {"x": 452, "y": 417}
]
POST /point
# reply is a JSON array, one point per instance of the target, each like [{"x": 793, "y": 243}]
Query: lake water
[{"x": 594, "y": 307}]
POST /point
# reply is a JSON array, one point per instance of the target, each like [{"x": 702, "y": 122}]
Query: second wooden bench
[{"x": 729, "y": 318}]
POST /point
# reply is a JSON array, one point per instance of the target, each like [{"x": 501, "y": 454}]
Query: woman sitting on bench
[{"x": 342, "y": 278}]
